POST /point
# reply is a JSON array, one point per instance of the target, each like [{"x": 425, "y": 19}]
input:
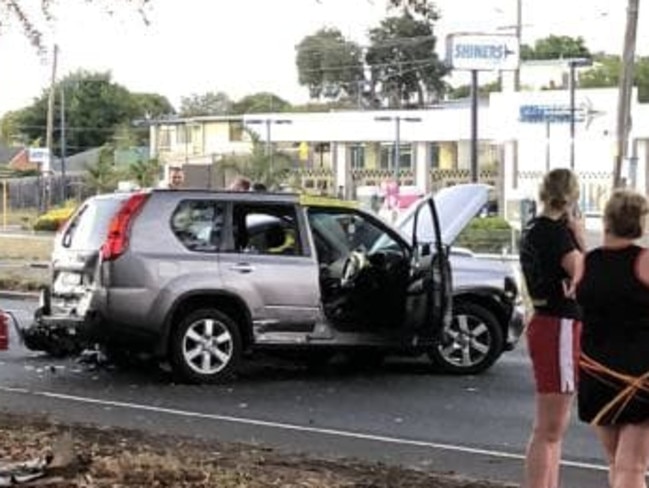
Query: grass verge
[{"x": 110, "y": 457}]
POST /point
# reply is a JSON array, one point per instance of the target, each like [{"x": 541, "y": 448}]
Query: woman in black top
[
  {"x": 551, "y": 256},
  {"x": 614, "y": 365}
]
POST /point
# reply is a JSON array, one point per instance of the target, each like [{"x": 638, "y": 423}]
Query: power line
[{"x": 394, "y": 42}]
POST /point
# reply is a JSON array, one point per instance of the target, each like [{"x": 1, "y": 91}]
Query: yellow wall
[
  {"x": 372, "y": 155},
  {"x": 217, "y": 132},
  {"x": 447, "y": 155}
]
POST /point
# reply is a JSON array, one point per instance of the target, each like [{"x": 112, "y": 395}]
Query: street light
[
  {"x": 397, "y": 139},
  {"x": 573, "y": 64},
  {"x": 269, "y": 122}
]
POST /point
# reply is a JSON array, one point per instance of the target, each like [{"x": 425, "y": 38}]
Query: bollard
[{"x": 4, "y": 331}]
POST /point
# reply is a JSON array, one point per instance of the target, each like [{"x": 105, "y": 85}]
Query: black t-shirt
[{"x": 544, "y": 243}]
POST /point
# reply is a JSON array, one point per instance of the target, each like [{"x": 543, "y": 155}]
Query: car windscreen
[{"x": 88, "y": 226}]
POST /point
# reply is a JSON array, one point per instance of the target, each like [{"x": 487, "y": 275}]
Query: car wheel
[
  {"x": 205, "y": 347},
  {"x": 472, "y": 342}
]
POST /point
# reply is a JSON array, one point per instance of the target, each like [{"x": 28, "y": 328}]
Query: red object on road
[{"x": 4, "y": 331}]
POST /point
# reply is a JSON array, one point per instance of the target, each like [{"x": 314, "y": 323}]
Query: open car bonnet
[{"x": 456, "y": 206}]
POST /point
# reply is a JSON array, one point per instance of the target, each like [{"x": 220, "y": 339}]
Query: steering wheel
[{"x": 354, "y": 263}]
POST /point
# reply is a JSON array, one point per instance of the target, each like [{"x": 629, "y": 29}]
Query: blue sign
[
  {"x": 491, "y": 52},
  {"x": 550, "y": 114}
]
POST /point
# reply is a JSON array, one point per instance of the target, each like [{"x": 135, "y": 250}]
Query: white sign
[
  {"x": 41, "y": 157},
  {"x": 484, "y": 52}
]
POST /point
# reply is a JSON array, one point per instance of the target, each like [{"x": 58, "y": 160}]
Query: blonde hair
[
  {"x": 625, "y": 213},
  {"x": 560, "y": 187}
]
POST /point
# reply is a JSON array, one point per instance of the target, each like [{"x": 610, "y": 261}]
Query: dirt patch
[
  {"x": 109, "y": 457},
  {"x": 26, "y": 247},
  {"x": 17, "y": 276}
]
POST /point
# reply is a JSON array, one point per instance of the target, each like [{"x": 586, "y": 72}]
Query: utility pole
[
  {"x": 49, "y": 134},
  {"x": 625, "y": 89},
  {"x": 64, "y": 192},
  {"x": 519, "y": 36}
]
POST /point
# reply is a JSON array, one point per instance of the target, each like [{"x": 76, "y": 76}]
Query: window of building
[
  {"x": 433, "y": 155},
  {"x": 164, "y": 139},
  {"x": 357, "y": 156},
  {"x": 387, "y": 156},
  {"x": 183, "y": 134},
  {"x": 198, "y": 224},
  {"x": 236, "y": 131}
]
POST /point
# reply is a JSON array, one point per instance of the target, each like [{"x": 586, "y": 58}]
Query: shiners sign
[{"x": 482, "y": 52}]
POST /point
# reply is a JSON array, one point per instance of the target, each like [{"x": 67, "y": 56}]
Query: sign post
[{"x": 481, "y": 52}]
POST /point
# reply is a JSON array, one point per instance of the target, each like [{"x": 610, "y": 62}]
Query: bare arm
[
  {"x": 573, "y": 264},
  {"x": 642, "y": 267}
]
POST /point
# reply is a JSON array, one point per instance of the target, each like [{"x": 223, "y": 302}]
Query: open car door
[
  {"x": 430, "y": 290},
  {"x": 433, "y": 223}
]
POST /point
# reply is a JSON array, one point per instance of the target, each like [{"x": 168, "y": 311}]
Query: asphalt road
[{"x": 476, "y": 426}]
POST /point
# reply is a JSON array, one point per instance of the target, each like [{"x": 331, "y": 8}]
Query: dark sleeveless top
[
  {"x": 615, "y": 334},
  {"x": 614, "y": 302}
]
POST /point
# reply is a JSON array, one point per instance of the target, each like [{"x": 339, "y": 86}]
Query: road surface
[{"x": 401, "y": 413}]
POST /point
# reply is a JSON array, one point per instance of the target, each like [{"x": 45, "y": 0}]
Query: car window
[
  {"x": 198, "y": 224},
  {"x": 266, "y": 229},
  {"x": 88, "y": 227},
  {"x": 338, "y": 232}
]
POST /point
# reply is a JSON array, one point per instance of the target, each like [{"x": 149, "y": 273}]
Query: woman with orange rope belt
[
  {"x": 614, "y": 365},
  {"x": 551, "y": 256}
]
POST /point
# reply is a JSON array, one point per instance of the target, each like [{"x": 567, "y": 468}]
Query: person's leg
[
  {"x": 609, "y": 436},
  {"x": 632, "y": 456},
  {"x": 544, "y": 448}
]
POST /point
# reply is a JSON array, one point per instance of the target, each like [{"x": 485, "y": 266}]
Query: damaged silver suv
[{"x": 198, "y": 278}]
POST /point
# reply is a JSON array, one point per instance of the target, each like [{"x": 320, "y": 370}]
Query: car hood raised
[{"x": 456, "y": 207}]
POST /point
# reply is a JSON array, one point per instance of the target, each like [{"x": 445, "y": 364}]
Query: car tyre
[
  {"x": 205, "y": 347},
  {"x": 471, "y": 344}
]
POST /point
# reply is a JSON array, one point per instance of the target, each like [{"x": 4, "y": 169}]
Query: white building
[{"x": 521, "y": 134}]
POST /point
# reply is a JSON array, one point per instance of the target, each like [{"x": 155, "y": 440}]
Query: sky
[{"x": 246, "y": 46}]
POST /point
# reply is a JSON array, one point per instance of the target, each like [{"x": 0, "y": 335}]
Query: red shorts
[{"x": 553, "y": 344}]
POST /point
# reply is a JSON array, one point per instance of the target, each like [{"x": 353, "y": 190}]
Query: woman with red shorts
[{"x": 551, "y": 257}]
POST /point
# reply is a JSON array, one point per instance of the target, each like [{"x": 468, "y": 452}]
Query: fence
[{"x": 38, "y": 192}]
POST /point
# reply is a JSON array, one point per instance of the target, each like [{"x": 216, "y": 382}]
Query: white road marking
[{"x": 287, "y": 426}]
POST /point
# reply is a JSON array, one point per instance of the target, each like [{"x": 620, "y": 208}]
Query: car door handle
[{"x": 242, "y": 268}]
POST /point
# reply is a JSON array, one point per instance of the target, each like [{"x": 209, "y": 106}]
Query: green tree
[
  {"x": 210, "y": 103},
  {"x": 151, "y": 105},
  {"x": 556, "y": 47},
  {"x": 262, "y": 102},
  {"x": 329, "y": 65},
  {"x": 9, "y": 132},
  {"x": 402, "y": 59},
  {"x": 102, "y": 177},
  {"x": 464, "y": 91},
  {"x": 94, "y": 107},
  {"x": 606, "y": 73},
  {"x": 144, "y": 172},
  {"x": 418, "y": 7},
  {"x": 260, "y": 166}
]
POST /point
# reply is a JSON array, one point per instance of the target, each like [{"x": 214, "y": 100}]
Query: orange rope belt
[{"x": 629, "y": 386}]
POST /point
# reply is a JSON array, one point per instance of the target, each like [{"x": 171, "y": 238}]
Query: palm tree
[
  {"x": 144, "y": 172},
  {"x": 102, "y": 176},
  {"x": 262, "y": 165}
]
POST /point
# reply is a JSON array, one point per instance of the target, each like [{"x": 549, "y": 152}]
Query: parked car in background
[{"x": 197, "y": 278}]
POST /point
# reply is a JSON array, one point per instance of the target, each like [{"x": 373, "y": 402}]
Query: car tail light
[
  {"x": 4, "y": 331},
  {"x": 117, "y": 238}
]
